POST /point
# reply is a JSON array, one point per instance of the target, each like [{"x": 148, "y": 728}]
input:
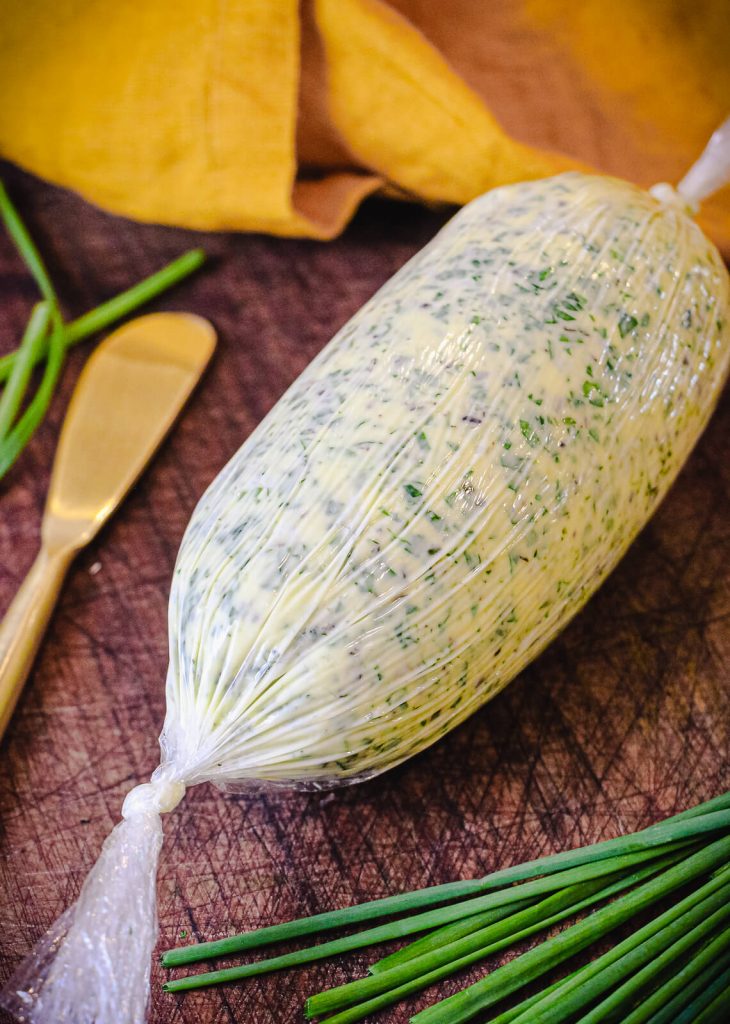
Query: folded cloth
[{"x": 279, "y": 116}]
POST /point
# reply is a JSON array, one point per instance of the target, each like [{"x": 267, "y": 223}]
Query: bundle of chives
[
  {"x": 712, "y": 816},
  {"x": 466, "y": 922},
  {"x": 47, "y": 337}
]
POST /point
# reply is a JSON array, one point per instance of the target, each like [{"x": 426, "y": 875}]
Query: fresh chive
[
  {"x": 128, "y": 301},
  {"x": 595, "y": 978},
  {"x": 383, "y": 933},
  {"x": 121, "y": 305},
  {"x": 717, "y": 803},
  {"x": 715, "y": 1010},
  {"x": 511, "y": 905},
  {"x": 26, "y": 247},
  {"x": 453, "y": 956},
  {"x": 16, "y": 367},
  {"x": 14, "y": 392},
  {"x": 709, "y": 959},
  {"x": 508, "y": 1016},
  {"x": 627, "y": 992},
  {"x": 671, "y": 830},
  {"x": 364, "y": 1009},
  {"x": 694, "y": 989},
  {"x": 317, "y": 923},
  {"x": 408, "y": 987},
  {"x": 583, "y": 874},
  {"x": 536, "y": 962},
  {"x": 434, "y": 940},
  {"x": 12, "y": 445},
  {"x": 459, "y": 929}
]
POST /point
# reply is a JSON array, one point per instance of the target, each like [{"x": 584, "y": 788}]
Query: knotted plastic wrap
[
  {"x": 93, "y": 966},
  {"x": 427, "y": 506},
  {"x": 712, "y": 170}
]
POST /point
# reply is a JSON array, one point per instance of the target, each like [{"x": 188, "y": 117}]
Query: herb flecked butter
[{"x": 446, "y": 484}]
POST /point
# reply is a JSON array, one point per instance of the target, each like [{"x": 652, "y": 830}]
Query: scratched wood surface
[{"x": 625, "y": 719}]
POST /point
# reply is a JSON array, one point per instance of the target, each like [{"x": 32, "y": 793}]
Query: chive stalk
[
  {"x": 693, "y": 987},
  {"x": 438, "y": 938},
  {"x": 28, "y": 355},
  {"x": 628, "y": 991},
  {"x": 26, "y": 247},
  {"x": 714, "y": 1008},
  {"x": 394, "y": 995},
  {"x": 708, "y": 961},
  {"x": 47, "y": 337},
  {"x": 717, "y": 803},
  {"x": 511, "y": 1015},
  {"x": 121, "y": 305},
  {"x": 453, "y": 956},
  {"x": 484, "y": 907},
  {"x": 677, "y": 962},
  {"x": 12, "y": 445},
  {"x": 596, "y": 977},
  {"x": 383, "y": 933},
  {"x": 669, "y": 831},
  {"x": 536, "y": 962}
]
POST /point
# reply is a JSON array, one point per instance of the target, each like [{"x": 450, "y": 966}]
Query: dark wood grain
[{"x": 625, "y": 719}]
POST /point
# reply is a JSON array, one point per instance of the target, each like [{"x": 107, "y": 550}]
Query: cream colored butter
[{"x": 445, "y": 485}]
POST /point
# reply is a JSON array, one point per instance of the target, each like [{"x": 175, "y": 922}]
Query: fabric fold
[{"x": 283, "y": 116}]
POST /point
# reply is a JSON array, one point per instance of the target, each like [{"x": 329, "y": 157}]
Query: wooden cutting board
[{"x": 625, "y": 719}]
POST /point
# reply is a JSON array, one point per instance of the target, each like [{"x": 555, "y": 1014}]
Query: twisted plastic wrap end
[{"x": 93, "y": 965}]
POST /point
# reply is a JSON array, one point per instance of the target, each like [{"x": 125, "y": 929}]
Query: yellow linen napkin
[{"x": 278, "y": 116}]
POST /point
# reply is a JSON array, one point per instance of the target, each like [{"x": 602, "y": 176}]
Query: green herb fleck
[
  {"x": 529, "y": 434},
  {"x": 627, "y": 324}
]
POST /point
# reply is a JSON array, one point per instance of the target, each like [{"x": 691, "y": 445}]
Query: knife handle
[{"x": 22, "y": 629}]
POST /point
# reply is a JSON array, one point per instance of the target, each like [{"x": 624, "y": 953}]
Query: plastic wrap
[
  {"x": 426, "y": 507},
  {"x": 93, "y": 966},
  {"x": 712, "y": 170},
  {"x": 445, "y": 485}
]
